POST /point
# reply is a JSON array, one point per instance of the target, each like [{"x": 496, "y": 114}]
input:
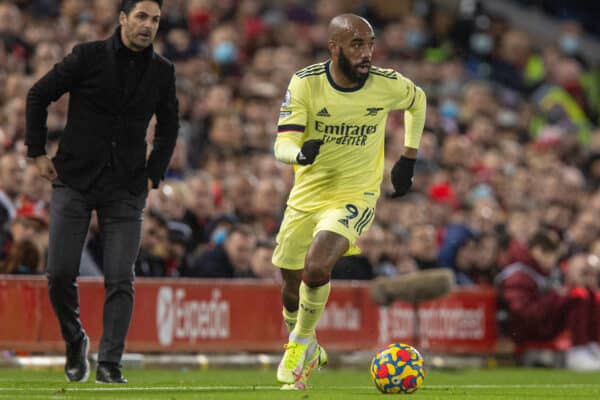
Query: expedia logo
[
  {"x": 180, "y": 318},
  {"x": 165, "y": 315}
]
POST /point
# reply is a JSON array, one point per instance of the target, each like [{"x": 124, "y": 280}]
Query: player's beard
[{"x": 349, "y": 70}]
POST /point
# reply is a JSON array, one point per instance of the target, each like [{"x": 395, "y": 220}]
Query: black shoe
[
  {"x": 77, "y": 367},
  {"x": 109, "y": 373}
]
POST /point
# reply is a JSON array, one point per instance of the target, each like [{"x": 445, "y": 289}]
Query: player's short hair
[{"x": 128, "y": 5}]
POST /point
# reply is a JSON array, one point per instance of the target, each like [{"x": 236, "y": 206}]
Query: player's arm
[
  {"x": 290, "y": 147},
  {"x": 414, "y": 122},
  {"x": 289, "y": 150}
]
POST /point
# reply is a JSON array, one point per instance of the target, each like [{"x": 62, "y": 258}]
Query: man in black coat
[{"x": 115, "y": 88}]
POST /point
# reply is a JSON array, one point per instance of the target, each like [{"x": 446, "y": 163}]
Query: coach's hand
[
  {"x": 402, "y": 174},
  {"x": 46, "y": 167},
  {"x": 310, "y": 151}
]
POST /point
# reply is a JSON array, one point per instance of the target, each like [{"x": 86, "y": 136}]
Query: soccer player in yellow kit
[{"x": 331, "y": 128}]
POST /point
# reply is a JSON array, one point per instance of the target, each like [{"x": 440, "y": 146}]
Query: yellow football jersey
[{"x": 351, "y": 122}]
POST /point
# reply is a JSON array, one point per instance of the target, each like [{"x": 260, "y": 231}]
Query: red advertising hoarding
[{"x": 189, "y": 315}]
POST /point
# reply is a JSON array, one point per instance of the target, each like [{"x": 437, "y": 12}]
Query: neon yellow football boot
[
  {"x": 317, "y": 359},
  {"x": 291, "y": 366}
]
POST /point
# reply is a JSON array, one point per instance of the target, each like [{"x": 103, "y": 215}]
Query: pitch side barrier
[{"x": 194, "y": 315}]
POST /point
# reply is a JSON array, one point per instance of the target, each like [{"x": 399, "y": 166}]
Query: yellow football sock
[
  {"x": 312, "y": 304},
  {"x": 290, "y": 318}
]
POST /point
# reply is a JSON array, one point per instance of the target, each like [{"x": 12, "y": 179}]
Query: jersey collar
[{"x": 338, "y": 87}]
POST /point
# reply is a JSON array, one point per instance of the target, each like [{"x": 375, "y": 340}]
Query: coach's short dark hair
[{"x": 128, "y": 5}]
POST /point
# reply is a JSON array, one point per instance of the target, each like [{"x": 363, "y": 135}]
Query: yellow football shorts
[{"x": 298, "y": 229}]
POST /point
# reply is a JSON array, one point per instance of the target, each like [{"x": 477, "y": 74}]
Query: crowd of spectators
[{"x": 511, "y": 144}]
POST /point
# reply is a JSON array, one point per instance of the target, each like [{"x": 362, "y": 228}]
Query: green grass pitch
[{"x": 334, "y": 384}]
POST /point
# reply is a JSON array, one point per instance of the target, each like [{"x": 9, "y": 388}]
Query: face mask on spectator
[
  {"x": 219, "y": 236},
  {"x": 415, "y": 39},
  {"x": 225, "y": 53},
  {"x": 449, "y": 109},
  {"x": 481, "y": 43},
  {"x": 569, "y": 43}
]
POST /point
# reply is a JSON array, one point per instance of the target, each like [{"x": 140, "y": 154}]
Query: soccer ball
[{"x": 399, "y": 368}]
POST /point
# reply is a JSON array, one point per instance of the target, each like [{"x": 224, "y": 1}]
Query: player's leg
[
  {"x": 326, "y": 248},
  {"x": 289, "y": 296},
  {"x": 337, "y": 230},
  {"x": 324, "y": 251},
  {"x": 70, "y": 213},
  {"x": 293, "y": 240},
  {"x": 316, "y": 356},
  {"x": 336, "y": 233}
]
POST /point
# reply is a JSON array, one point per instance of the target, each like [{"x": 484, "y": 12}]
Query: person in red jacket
[{"x": 540, "y": 307}]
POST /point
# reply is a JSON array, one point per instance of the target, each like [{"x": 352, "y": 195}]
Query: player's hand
[
  {"x": 310, "y": 151},
  {"x": 402, "y": 174},
  {"x": 46, "y": 167}
]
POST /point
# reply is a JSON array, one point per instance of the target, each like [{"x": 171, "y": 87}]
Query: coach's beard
[{"x": 351, "y": 70}]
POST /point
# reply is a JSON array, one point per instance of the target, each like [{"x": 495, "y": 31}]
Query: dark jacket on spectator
[
  {"x": 213, "y": 263},
  {"x": 353, "y": 267}
]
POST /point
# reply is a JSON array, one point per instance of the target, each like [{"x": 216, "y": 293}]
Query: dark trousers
[{"x": 120, "y": 220}]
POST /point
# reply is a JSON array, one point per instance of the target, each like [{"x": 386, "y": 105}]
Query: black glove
[
  {"x": 309, "y": 151},
  {"x": 402, "y": 174}
]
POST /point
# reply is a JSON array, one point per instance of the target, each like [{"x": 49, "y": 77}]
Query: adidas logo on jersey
[
  {"x": 323, "y": 113},
  {"x": 343, "y": 221}
]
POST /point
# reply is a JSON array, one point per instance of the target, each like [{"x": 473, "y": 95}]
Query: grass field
[{"x": 335, "y": 384}]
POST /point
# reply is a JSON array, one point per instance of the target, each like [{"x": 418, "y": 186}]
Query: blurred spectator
[
  {"x": 512, "y": 66},
  {"x": 200, "y": 206},
  {"x": 12, "y": 167},
  {"x": 261, "y": 265},
  {"x": 25, "y": 243},
  {"x": 229, "y": 259},
  {"x": 154, "y": 249},
  {"x": 364, "y": 265},
  {"x": 582, "y": 232},
  {"x": 560, "y": 101},
  {"x": 235, "y": 190},
  {"x": 423, "y": 246},
  {"x": 179, "y": 240},
  {"x": 459, "y": 251},
  {"x": 266, "y": 207},
  {"x": 540, "y": 309},
  {"x": 485, "y": 267}
]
